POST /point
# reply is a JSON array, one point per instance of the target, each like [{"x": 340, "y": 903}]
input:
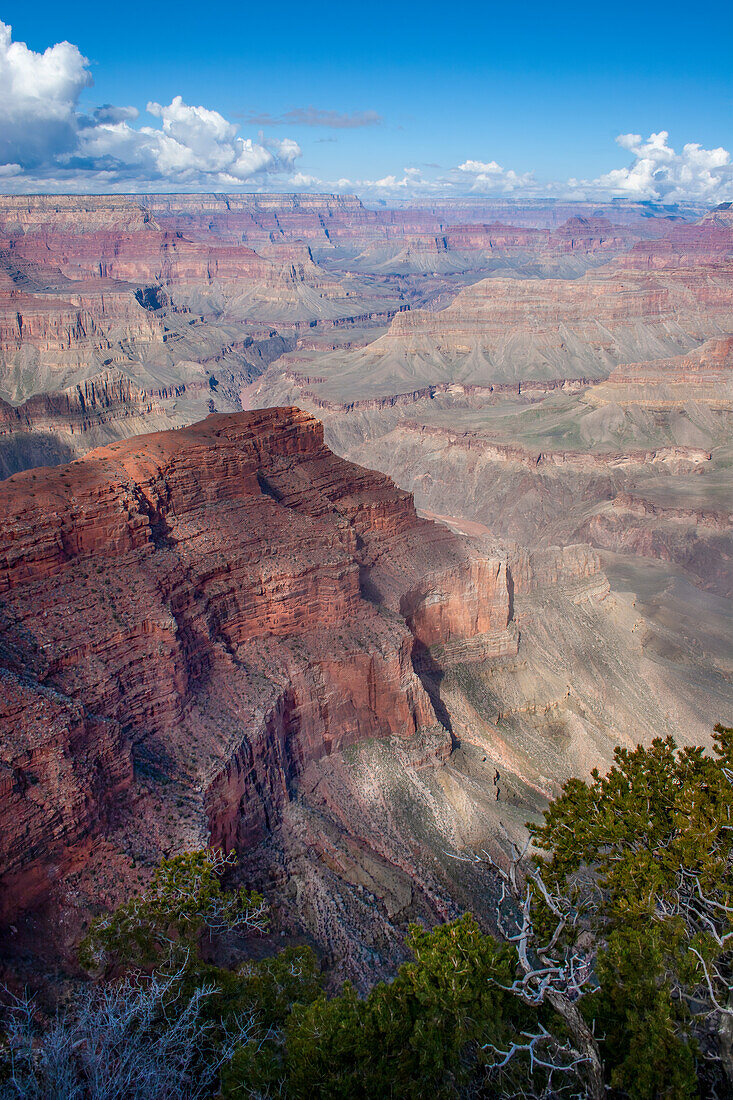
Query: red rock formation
[
  {"x": 145, "y": 257},
  {"x": 231, "y": 599},
  {"x": 36, "y": 223},
  {"x": 61, "y": 771},
  {"x": 504, "y": 330},
  {"x": 491, "y": 309},
  {"x": 577, "y": 234},
  {"x": 496, "y": 236},
  {"x": 21, "y": 214},
  {"x": 254, "y": 219},
  {"x": 592, "y": 234},
  {"x": 91, "y": 315}
]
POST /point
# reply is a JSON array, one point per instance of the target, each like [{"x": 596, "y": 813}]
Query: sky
[{"x": 391, "y": 100}]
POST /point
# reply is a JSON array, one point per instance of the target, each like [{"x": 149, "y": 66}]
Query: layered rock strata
[
  {"x": 704, "y": 375},
  {"x": 55, "y": 427},
  {"x": 221, "y": 607}
]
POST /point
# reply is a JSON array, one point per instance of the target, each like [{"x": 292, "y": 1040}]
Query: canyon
[
  {"x": 226, "y": 634},
  {"x": 343, "y": 537}
]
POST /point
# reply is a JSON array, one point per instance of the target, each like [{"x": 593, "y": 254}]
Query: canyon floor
[{"x": 237, "y": 633}]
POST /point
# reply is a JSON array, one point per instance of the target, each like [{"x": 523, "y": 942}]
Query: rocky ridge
[
  {"x": 55, "y": 427},
  {"x": 219, "y": 607},
  {"x": 704, "y": 375}
]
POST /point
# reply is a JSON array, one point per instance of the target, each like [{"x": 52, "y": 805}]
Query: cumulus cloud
[
  {"x": 38, "y": 97},
  {"x": 109, "y": 113},
  {"x": 659, "y": 173},
  {"x": 470, "y": 177},
  {"x": 411, "y": 183},
  {"x": 192, "y": 147},
  {"x": 488, "y": 177},
  {"x": 301, "y": 180},
  {"x": 315, "y": 116},
  {"x": 47, "y": 141}
]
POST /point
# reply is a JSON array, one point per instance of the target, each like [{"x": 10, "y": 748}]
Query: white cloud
[
  {"x": 488, "y": 177},
  {"x": 302, "y": 180},
  {"x": 660, "y": 173},
  {"x": 38, "y": 97},
  {"x": 193, "y": 137},
  {"x": 410, "y": 183},
  {"x": 473, "y": 176},
  {"x": 47, "y": 142},
  {"x": 193, "y": 146},
  {"x": 657, "y": 173},
  {"x": 481, "y": 167}
]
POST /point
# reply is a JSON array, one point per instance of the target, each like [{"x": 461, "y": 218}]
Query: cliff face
[
  {"x": 158, "y": 285},
  {"x": 153, "y": 284},
  {"x": 28, "y": 213},
  {"x": 224, "y": 605},
  {"x": 571, "y": 328},
  {"x": 708, "y": 241},
  {"x": 56, "y": 427},
  {"x": 705, "y": 375},
  {"x": 225, "y": 634},
  {"x": 61, "y": 771},
  {"x": 49, "y": 338},
  {"x": 513, "y": 331},
  {"x": 103, "y": 397},
  {"x": 580, "y": 235},
  {"x": 85, "y": 315},
  {"x": 257, "y": 220},
  {"x": 144, "y": 257},
  {"x": 513, "y": 491}
]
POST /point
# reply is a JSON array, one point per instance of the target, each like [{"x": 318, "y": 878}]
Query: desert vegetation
[{"x": 608, "y": 972}]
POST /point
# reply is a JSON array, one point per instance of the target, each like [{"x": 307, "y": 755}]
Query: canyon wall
[
  {"x": 225, "y": 605},
  {"x": 704, "y": 375},
  {"x": 226, "y": 634},
  {"x": 152, "y": 284}
]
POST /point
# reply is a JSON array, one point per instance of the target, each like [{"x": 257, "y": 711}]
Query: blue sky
[{"x": 538, "y": 91}]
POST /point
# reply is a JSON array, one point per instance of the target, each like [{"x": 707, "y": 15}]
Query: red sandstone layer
[{"x": 229, "y": 600}]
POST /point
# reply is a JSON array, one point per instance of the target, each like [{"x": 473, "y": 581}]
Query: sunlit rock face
[{"x": 232, "y": 601}]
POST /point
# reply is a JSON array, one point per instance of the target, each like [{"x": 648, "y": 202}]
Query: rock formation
[
  {"x": 55, "y": 427},
  {"x": 153, "y": 285},
  {"x": 227, "y": 634},
  {"x": 512, "y": 330},
  {"x": 223, "y": 606},
  {"x": 705, "y": 376}
]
